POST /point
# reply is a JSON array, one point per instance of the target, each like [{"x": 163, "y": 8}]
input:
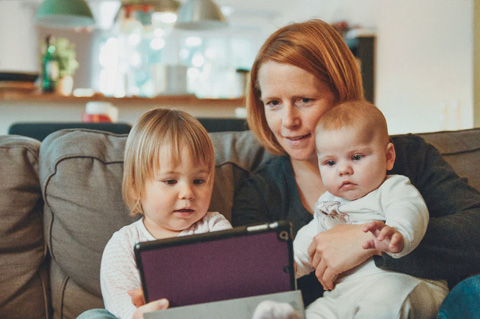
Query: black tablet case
[{"x": 236, "y": 263}]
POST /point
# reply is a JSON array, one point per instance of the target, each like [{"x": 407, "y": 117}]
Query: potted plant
[{"x": 62, "y": 52}]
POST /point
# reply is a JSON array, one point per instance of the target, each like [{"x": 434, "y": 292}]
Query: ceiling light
[
  {"x": 64, "y": 14},
  {"x": 200, "y": 15},
  {"x": 146, "y": 11}
]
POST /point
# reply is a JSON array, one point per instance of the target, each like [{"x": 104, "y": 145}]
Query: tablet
[{"x": 240, "y": 262}]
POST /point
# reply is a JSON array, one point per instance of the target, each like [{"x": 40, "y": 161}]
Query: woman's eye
[
  {"x": 304, "y": 101},
  {"x": 272, "y": 103}
]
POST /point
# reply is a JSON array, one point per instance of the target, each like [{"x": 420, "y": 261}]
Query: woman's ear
[{"x": 390, "y": 153}]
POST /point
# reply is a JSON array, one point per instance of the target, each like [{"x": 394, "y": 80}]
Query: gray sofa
[{"x": 61, "y": 202}]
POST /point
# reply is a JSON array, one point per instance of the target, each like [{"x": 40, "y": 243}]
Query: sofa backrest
[{"x": 461, "y": 149}]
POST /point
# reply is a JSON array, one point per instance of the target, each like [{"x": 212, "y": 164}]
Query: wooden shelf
[
  {"x": 36, "y": 96},
  {"x": 33, "y": 106}
]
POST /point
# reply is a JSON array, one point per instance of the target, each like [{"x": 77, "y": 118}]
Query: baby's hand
[{"x": 386, "y": 238}]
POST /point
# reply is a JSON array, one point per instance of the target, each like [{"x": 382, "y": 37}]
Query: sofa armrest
[{"x": 23, "y": 265}]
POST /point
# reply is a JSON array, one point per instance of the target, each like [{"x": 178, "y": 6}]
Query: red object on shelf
[
  {"x": 97, "y": 111},
  {"x": 95, "y": 118}
]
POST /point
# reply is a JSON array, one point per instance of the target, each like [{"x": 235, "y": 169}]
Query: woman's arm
[{"x": 451, "y": 244}]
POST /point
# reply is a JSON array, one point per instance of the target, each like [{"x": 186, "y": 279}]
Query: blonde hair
[
  {"x": 166, "y": 132},
  {"x": 314, "y": 46},
  {"x": 360, "y": 114}
]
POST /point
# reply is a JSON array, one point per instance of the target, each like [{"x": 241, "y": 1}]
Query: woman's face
[{"x": 294, "y": 101}]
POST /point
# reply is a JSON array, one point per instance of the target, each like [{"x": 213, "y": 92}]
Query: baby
[{"x": 354, "y": 154}]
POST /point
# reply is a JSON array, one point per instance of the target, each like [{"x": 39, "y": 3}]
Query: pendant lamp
[
  {"x": 64, "y": 14},
  {"x": 200, "y": 15}
]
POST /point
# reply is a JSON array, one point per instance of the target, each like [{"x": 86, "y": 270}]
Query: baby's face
[{"x": 352, "y": 163}]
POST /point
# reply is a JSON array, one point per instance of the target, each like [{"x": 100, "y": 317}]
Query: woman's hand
[
  {"x": 337, "y": 250},
  {"x": 139, "y": 301}
]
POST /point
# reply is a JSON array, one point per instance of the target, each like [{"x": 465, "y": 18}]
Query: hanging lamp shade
[
  {"x": 64, "y": 14},
  {"x": 142, "y": 10},
  {"x": 200, "y": 15}
]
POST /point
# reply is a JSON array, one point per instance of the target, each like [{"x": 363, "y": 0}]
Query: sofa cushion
[
  {"x": 461, "y": 149},
  {"x": 23, "y": 275},
  {"x": 81, "y": 177}
]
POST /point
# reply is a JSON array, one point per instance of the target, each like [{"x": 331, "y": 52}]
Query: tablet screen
[{"x": 236, "y": 263}]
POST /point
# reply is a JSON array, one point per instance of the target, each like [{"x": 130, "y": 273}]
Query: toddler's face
[
  {"x": 177, "y": 196},
  {"x": 352, "y": 164}
]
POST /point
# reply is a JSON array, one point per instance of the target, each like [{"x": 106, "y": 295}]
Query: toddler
[{"x": 168, "y": 179}]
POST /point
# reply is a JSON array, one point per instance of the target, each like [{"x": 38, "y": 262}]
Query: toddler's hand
[
  {"x": 137, "y": 297},
  {"x": 149, "y": 307},
  {"x": 139, "y": 301},
  {"x": 386, "y": 238}
]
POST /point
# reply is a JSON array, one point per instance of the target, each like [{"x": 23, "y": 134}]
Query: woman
[{"x": 301, "y": 71}]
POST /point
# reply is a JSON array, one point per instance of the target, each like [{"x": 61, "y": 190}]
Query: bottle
[{"x": 50, "y": 67}]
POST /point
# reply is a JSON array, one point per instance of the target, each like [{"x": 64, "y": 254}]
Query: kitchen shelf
[{"x": 27, "y": 96}]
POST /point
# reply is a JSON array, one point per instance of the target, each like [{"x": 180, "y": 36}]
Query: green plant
[{"x": 66, "y": 56}]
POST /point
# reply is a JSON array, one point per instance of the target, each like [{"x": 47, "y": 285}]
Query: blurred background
[{"x": 424, "y": 65}]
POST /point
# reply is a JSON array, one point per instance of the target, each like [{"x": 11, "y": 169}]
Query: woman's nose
[{"x": 290, "y": 116}]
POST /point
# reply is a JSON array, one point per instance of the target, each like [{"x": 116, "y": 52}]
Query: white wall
[
  {"x": 425, "y": 64},
  {"x": 18, "y": 40},
  {"x": 424, "y": 56}
]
